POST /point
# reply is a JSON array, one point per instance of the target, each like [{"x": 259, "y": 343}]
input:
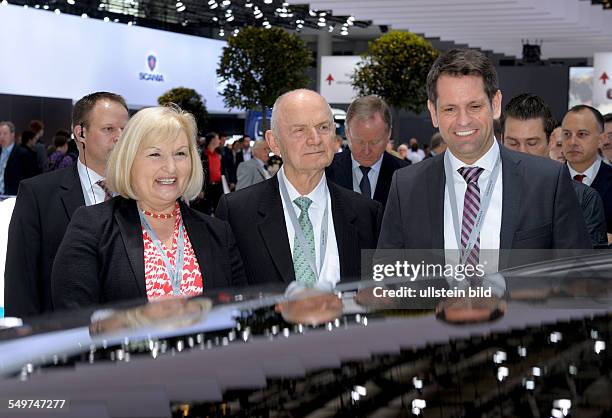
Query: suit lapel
[
  {"x": 71, "y": 192},
  {"x": 346, "y": 235},
  {"x": 201, "y": 242},
  {"x": 271, "y": 224},
  {"x": 435, "y": 195},
  {"x": 511, "y": 201},
  {"x": 384, "y": 179},
  {"x": 129, "y": 225}
]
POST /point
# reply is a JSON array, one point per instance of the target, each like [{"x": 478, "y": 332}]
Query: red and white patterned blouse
[{"x": 156, "y": 276}]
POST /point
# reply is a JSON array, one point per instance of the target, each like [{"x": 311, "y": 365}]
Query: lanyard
[
  {"x": 486, "y": 199},
  {"x": 298, "y": 229},
  {"x": 175, "y": 274}
]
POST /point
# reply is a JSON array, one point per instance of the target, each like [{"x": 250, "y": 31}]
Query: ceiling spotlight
[
  {"x": 213, "y": 6},
  {"x": 226, "y": 2},
  {"x": 25, "y": 6},
  {"x": 321, "y": 24},
  {"x": 221, "y": 32},
  {"x": 179, "y": 4},
  {"x": 248, "y": 4},
  {"x": 84, "y": 16},
  {"x": 321, "y": 19},
  {"x": 130, "y": 23},
  {"x": 331, "y": 28},
  {"x": 4, "y": 3},
  {"x": 181, "y": 8},
  {"x": 57, "y": 11},
  {"x": 211, "y": 2},
  {"x": 230, "y": 19},
  {"x": 70, "y": 2},
  {"x": 116, "y": 20},
  {"x": 46, "y": 6},
  {"x": 215, "y": 19},
  {"x": 106, "y": 19},
  {"x": 322, "y": 14},
  {"x": 185, "y": 23},
  {"x": 267, "y": 1},
  {"x": 312, "y": 13}
]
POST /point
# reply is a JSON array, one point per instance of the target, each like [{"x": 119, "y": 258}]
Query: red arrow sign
[
  {"x": 329, "y": 79},
  {"x": 604, "y": 77}
]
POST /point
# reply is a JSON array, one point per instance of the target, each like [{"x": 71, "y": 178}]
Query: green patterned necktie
[{"x": 303, "y": 272}]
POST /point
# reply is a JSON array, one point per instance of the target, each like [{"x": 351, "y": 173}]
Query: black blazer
[
  {"x": 539, "y": 210},
  {"x": 340, "y": 172},
  {"x": 258, "y": 221},
  {"x": 593, "y": 211},
  {"x": 603, "y": 184},
  {"x": 21, "y": 164},
  {"x": 42, "y": 212},
  {"x": 101, "y": 258}
]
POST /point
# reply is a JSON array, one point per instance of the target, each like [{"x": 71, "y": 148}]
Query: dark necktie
[
  {"x": 364, "y": 185},
  {"x": 107, "y": 193},
  {"x": 579, "y": 177},
  {"x": 471, "y": 207}
]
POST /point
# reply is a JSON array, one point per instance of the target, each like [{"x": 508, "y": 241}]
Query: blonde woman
[{"x": 146, "y": 243}]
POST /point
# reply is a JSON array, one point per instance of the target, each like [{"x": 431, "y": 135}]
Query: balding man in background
[{"x": 298, "y": 226}]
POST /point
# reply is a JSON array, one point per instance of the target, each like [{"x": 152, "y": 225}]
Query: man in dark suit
[
  {"x": 46, "y": 203},
  {"x": 298, "y": 226},
  {"x": 527, "y": 124},
  {"x": 16, "y": 161},
  {"x": 524, "y": 201},
  {"x": 582, "y": 133},
  {"x": 365, "y": 167}
]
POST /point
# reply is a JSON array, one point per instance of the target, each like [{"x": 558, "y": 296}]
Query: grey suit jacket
[
  {"x": 539, "y": 210},
  {"x": 249, "y": 173}
]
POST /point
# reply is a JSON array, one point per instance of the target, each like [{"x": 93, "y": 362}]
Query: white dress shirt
[
  {"x": 372, "y": 175},
  {"x": 416, "y": 156},
  {"x": 92, "y": 191},
  {"x": 590, "y": 172},
  {"x": 330, "y": 273},
  {"x": 491, "y": 226}
]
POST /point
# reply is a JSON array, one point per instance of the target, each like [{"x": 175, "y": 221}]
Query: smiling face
[
  {"x": 464, "y": 115},
  {"x": 160, "y": 173},
  {"x": 526, "y": 136},
  {"x": 304, "y": 136}
]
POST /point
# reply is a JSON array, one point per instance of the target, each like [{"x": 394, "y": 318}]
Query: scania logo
[
  {"x": 151, "y": 76},
  {"x": 152, "y": 61}
]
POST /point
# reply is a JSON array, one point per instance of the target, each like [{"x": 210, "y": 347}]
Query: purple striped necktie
[{"x": 471, "y": 207}]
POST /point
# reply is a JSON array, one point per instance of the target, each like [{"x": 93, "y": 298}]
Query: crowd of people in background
[{"x": 300, "y": 204}]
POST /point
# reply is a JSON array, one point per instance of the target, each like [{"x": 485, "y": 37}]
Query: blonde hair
[{"x": 148, "y": 127}]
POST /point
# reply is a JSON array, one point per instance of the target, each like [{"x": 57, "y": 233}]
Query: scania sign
[{"x": 150, "y": 76}]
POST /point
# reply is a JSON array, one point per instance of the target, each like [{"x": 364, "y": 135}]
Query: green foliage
[
  {"x": 395, "y": 68},
  {"x": 260, "y": 64},
  {"x": 188, "y": 100}
]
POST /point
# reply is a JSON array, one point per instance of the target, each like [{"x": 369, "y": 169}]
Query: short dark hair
[
  {"x": 209, "y": 137},
  {"x": 59, "y": 141},
  {"x": 36, "y": 126},
  {"x": 462, "y": 62},
  {"x": 607, "y": 117},
  {"x": 83, "y": 107},
  {"x": 596, "y": 113},
  {"x": 528, "y": 106},
  {"x": 27, "y": 136}
]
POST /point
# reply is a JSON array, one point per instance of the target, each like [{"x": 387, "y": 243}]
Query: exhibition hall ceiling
[{"x": 564, "y": 28}]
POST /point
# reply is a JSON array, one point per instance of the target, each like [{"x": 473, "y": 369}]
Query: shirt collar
[
  {"x": 318, "y": 195},
  {"x": 590, "y": 172},
  {"x": 374, "y": 167},
  {"x": 487, "y": 161},
  {"x": 84, "y": 172},
  {"x": 8, "y": 149}
]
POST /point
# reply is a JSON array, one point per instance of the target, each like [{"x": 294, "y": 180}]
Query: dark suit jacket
[
  {"x": 340, "y": 172},
  {"x": 594, "y": 214},
  {"x": 228, "y": 164},
  {"x": 42, "y": 212},
  {"x": 603, "y": 184},
  {"x": 101, "y": 258},
  {"x": 21, "y": 164},
  {"x": 257, "y": 219},
  {"x": 539, "y": 210}
]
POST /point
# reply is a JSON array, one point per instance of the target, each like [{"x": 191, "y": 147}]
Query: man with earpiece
[{"x": 46, "y": 203}]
